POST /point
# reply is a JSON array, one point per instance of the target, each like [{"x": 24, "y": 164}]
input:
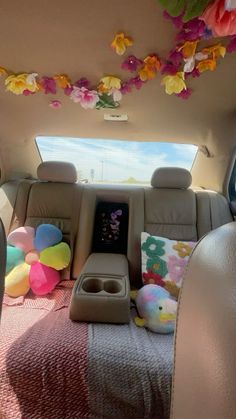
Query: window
[
  {"x": 113, "y": 161},
  {"x": 232, "y": 185}
]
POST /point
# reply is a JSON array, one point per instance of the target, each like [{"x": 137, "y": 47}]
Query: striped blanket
[{"x": 53, "y": 368}]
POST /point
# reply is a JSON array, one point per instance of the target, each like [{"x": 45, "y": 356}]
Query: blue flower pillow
[{"x": 164, "y": 261}]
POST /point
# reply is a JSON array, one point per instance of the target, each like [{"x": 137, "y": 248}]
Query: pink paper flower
[
  {"x": 87, "y": 98},
  {"x": 231, "y": 47},
  {"x": 55, "y": 104},
  {"x": 83, "y": 82},
  {"x": 169, "y": 68},
  {"x": 125, "y": 87},
  {"x": 176, "y": 268},
  {"x": 136, "y": 82},
  {"x": 175, "y": 57},
  {"x": 219, "y": 20},
  {"x": 192, "y": 31},
  {"x": 195, "y": 73},
  {"x": 28, "y": 92},
  {"x": 49, "y": 85},
  {"x": 131, "y": 63},
  {"x": 68, "y": 90},
  {"x": 185, "y": 94}
]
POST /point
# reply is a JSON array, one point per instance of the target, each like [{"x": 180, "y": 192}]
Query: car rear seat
[
  {"x": 174, "y": 211},
  {"x": 54, "y": 199},
  {"x": 168, "y": 208}
]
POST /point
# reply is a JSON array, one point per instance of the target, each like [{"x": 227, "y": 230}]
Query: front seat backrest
[
  {"x": 3, "y": 248},
  {"x": 204, "y": 378}
]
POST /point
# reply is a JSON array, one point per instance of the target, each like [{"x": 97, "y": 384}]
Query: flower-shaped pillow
[
  {"x": 164, "y": 261},
  {"x": 34, "y": 259}
]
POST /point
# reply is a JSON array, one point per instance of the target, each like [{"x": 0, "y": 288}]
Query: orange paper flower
[
  {"x": 152, "y": 64},
  {"x": 62, "y": 80},
  {"x": 215, "y": 51},
  {"x": 120, "y": 43},
  {"x": 188, "y": 49},
  {"x": 206, "y": 65}
]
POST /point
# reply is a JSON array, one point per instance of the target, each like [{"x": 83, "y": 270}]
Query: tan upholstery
[
  {"x": 13, "y": 203},
  {"x": 54, "y": 203},
  {"x": 212, "y": 211},
  {"x": 175, "y": 213},
  {"x": 204, "y": 379},
  {"x": 171, "y": 177},
  {"x": 171, "y": 213},
  {"x": 51, "y": 202},
  {"x": 134, "y": 197},
  {"x": 57, "y": 171},
  {"x": 2, "y": 262},
  {"x": 170, "y": 208}
]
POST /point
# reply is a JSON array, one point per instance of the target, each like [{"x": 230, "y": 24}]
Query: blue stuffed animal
[{"x": 156, "y": 309}]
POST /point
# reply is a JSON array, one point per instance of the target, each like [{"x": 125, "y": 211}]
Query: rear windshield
[{"x": 113, "y": 161}]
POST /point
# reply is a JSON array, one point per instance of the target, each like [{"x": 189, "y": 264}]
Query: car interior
[{"x": 117, "y": 209}]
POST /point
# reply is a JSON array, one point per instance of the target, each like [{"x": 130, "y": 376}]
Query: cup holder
[
  {"x": 92, "y": 285},
  {"x": 112, "y": 287}
]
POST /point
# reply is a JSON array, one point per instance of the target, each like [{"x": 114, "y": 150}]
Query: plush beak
[{"x": 167, "y": 317}]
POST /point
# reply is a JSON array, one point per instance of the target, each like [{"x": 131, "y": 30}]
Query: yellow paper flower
[
  {"x": 188, "y": 49},
  {"x": 120, "y": 43},
  {"x": 174, "y": 84},
  {"x": 102, "y": 89},
  {"x": 151, "y": 66},
  {"x": 62, "y": 80},
  {"x": 111, "y": 82},
  {"x": 16, "y": 83},
  {"x": 206, "y": 65},
  {"x": 215, "y": 51}
]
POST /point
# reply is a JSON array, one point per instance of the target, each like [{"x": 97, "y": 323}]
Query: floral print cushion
[{"x": 164, "y": 261}]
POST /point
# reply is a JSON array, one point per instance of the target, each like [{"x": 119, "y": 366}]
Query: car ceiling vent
[{"x": 116, "y": 117}]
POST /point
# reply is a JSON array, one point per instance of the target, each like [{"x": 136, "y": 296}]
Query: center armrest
[{"x": 101, "y": 292}]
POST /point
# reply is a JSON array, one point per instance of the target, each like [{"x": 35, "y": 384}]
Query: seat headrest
[
  {"x": 57, "y": 171},
  {"x": 171, "y": 177}
]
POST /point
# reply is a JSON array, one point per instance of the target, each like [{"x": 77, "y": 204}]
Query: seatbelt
[{"x": 3, "y": 257}]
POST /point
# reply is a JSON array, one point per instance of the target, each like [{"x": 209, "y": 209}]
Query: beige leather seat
[
  {"x": 175, "y": 211},
  {"x": 213, "y": 211},
  {"x": 13, "y": 202},
  {"x": 55, "y": 199},
  {"x": 170, "y": 206},
  {"x": 204, "y": 378}
]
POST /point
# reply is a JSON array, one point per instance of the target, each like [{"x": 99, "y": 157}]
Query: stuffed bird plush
[{"x": 156, "y": 309}]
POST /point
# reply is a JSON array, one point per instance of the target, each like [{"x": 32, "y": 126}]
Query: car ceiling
[{"x": 73, "y": 37}]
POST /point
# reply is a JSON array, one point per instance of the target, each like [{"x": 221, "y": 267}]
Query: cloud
[{"x": 116, "y": 160}]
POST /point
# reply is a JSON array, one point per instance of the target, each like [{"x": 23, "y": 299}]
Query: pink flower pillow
[{"x": 164, "y": 261}]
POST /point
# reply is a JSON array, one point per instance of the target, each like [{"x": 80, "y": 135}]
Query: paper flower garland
[
  {"x": 196, "y": 21},
  {"x": 108, "y": 92},
  {"x": 34, "y": 259},
  {"x": 189, "y": 58}
]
